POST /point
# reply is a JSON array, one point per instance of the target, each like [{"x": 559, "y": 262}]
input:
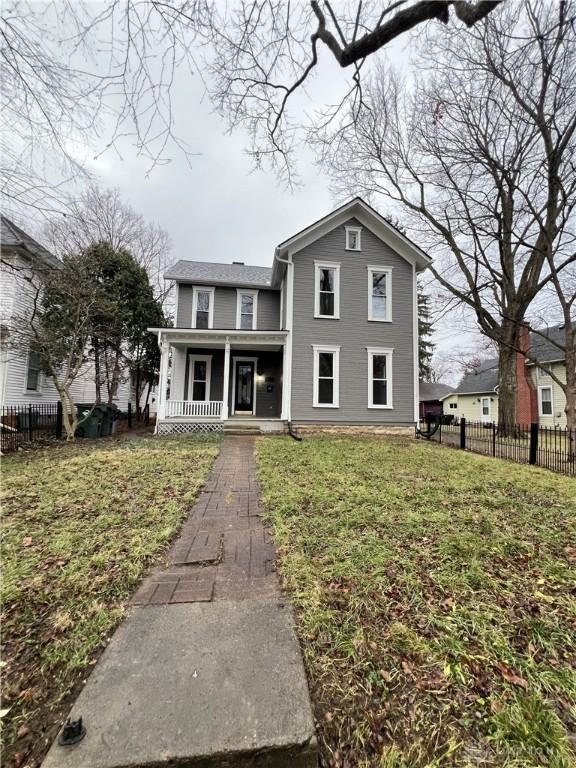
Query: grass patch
[
  {"x": 435, "y": 600},
  {"x": 81, "y": 525}
]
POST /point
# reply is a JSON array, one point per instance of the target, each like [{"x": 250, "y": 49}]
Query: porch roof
[{"x": 218, "y": 336}]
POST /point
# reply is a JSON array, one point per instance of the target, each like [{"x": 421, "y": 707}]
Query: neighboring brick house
[
  {"x": 22, "y": 381},
  {"x": 327, "y": 336},
  {"x": 539, "y": 398}
]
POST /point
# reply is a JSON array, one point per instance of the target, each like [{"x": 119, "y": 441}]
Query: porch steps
[{"x": 237, "y": 426}]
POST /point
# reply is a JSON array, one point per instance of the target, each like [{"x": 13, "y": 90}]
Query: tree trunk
[
  {"x": 69, "y": 416},
  {"x": 114, "y": 381},
  {"x": 507, "y": 382},
  {"x": 570, "y": 392},
  {"x": 97, "y": 372}
]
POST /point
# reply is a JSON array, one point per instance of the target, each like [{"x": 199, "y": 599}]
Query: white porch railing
[{"x": 194, "y": 408}]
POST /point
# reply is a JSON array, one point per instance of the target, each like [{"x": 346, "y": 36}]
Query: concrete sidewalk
[{"x": 206, "y": 669}]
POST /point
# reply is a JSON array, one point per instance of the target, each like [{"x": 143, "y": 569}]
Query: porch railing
[{"x": 194, "y": 408}]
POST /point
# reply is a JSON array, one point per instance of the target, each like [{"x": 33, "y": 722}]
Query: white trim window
[
  {"x": 203, "y": 308},
  {"x": 246, "y": 310},
  {"x": 33, "y": 372},
  {"x": 545, "y": 401},
  {"x": 353, "y": 238},
  {"x": 380, "y": 294},
  {"x": 199, "y": 376},
  {"x": 326, "y": 377},
  {"x": 486, "y": 408},
  {"x": 379, "y": 377},
  {"x": 327, "y": 290}
]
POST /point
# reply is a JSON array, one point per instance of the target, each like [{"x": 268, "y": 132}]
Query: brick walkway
[{"x": 224, "y": 551}]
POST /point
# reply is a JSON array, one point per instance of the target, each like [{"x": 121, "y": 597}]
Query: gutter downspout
[{"x": 289, "y": 309}]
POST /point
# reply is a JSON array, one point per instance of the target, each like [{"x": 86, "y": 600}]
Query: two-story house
[{"x": 327, "y": 336}]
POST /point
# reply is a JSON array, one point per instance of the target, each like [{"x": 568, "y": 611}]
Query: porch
[{"x": 221, "y": 380}]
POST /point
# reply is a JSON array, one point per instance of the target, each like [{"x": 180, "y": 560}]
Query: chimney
[{"x": 526, "y": 397}]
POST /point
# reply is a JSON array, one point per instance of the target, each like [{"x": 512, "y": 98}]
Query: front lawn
[
  {"x": 435, "y": 599},
  {"x": 81, "y": 524}
]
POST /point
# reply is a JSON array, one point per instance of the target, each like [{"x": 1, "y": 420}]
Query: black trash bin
[{"x": 90, "y": 417}]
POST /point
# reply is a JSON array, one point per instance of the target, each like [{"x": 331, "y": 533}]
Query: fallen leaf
[
  {"x": 27, "y": 541},
  {"x": 512, "y": 677}
]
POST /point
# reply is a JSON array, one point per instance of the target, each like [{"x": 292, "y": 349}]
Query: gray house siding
[
  {"x": 225, "y": 308},
  {"x": 269, "y": 376},
  {"x": 353, "y": 332}
]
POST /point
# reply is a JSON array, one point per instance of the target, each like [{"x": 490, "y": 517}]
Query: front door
[
  {"x": 486, "y": 409},
  {"x": 244, "y": 387}
]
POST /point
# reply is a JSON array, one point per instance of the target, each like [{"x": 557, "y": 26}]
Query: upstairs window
[
  {"x": 203, "y": 308},
  {"x": 546, "y": 407},
  {"x": 327, "y": 290},
  {"x": 246, "y": 310},
  {"x": 380, "y": 294},
  {"x": 326, "y": 377},
  {"x": 379, "y": 378},
  {"x": 33, "y": 373},
  {"x": 353, "y": 241}
]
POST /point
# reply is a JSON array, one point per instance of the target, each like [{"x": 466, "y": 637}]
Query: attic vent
[{"x": 240, "y": 263}]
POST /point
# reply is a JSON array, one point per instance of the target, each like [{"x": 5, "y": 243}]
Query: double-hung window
[
  {"x": 199, "y": 378},
  {"x": 379, "y": 377},
  {"x": 545, "y": 401},
  {"x": 327, "y": 290},
  {"x": 33, "y": 373},
  {"x": 380, "y": 294},
  {"x": 247, "y": 310},
  {"x": 203, "y": 308},
  {"x": 326, "y": 377}
]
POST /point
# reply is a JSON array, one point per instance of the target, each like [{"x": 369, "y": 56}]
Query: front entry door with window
[
  {"x": 244, "y": 387},
  {"x": 486, "y": 409}
]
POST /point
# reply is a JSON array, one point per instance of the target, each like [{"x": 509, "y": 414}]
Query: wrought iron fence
[
  {"x": 550, "y": 447},
  {"x": 29, "y": 423}
]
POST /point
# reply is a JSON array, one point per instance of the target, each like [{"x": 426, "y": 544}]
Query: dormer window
[
  {"x": 353, "y": 241},
  {"x": 203, "y": 308}
]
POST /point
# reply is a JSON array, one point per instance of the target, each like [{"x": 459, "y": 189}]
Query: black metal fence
[
  {"x": 549, "y": 447},
  {"x": 29, "y": 423}
]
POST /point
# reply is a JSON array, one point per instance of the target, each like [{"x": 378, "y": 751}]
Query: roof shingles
[{"x": 209, "y": 272}]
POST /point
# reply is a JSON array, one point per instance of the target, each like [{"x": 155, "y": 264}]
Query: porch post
[
  {"x": 285, "y": 387},
  {"x": 163, "y": 379},
  {"x": 225, "y": 393}
]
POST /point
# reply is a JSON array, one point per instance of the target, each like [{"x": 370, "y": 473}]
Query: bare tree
[
  {"x": 77, "y": 76},
  {"x": 480, "y": 157},
  {"x": 268, "y": 52},
  {"x": 67, "y": 308},
  {"x": 100, "y": 216}
]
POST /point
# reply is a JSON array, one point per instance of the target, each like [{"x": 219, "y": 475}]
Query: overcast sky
[{"x": 217, "y": 208}]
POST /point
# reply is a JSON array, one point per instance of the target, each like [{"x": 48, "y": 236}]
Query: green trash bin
[
  {"x": 91, "y": 426},
  {"x": 107, "y": 419}
]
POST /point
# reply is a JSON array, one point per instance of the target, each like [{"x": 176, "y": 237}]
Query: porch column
[
  {"x": 163, "y": 379},
  {"x": 226, "y": 385},
  {"x": 285, "y": 382}
]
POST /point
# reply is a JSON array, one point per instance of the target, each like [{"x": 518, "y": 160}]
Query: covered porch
[{"x": 211, "y": 378}]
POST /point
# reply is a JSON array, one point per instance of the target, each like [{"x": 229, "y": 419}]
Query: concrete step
[
  {"x": 198, "y": 684},
  {"x": 242, "y": 431}
]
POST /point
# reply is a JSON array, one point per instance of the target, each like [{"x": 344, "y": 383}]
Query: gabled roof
[
  {"x": 369, "y": 217},
  {"x": 543, "y": 348},
  {"x": 14, "y": 237},
  {"x": 430, "y": 391},
  {"x": 482, "y": 380},
  {"x": 212, "y": 273}
]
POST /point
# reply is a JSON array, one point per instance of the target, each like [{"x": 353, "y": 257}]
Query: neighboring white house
[{"x": 21, "y": 380}]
